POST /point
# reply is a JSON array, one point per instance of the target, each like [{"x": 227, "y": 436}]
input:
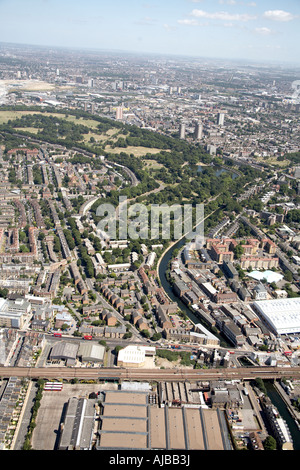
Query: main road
[{"x": 159, "y": 375}]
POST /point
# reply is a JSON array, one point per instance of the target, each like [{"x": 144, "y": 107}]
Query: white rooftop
[
  {"x": 134, "y": 354},
  {"x": 209, "y": 287},
  {"x": 283, "y": 315},
  {"x": 269, "y": 276}
]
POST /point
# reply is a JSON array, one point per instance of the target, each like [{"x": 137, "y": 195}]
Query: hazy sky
[{"x": 246, "y": 29}]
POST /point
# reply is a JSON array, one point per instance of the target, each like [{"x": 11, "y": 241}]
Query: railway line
[{"x": 160, "y": 375}]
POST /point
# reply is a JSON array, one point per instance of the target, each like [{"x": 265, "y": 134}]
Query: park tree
[{"x": 270, "y": 443}]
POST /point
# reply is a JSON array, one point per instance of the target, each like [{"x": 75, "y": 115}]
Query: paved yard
[{"x": 51, "y": 411}]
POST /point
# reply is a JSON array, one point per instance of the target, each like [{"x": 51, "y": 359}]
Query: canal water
[
  {"x": 219, "y": 171},
  {"x": 164, "y": 264},
  {"x": 284, "y": 413},
  {"x": 163, "y": 267}
]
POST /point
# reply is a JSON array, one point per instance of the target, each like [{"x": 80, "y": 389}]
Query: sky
[{"x": 260, "y": 30}]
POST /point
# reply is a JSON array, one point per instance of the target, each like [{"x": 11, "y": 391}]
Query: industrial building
[
  {"x": 78, "y": 426},
  {"x": 282, "y": 316},
  {"x": 91, "y": 352},
  {"x": 135, "y": 356},
  {"x": 200, "y": 335},
  {"x": 63, "y": 351},
  {"x": 128, "y": 421}
]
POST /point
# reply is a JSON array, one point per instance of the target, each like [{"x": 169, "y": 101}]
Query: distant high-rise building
[
  {"x": 119, "y": 113},
  {"x": 211, "y": 149},
  {"x": 92, "y": 108},
  {"x": 91, "y": 83},
  {"x": 221, "y": 117},
  {"x": 198, "y": 133},
  {"x": 182, "y": 131},
  {"x": 57, "y": 72}
]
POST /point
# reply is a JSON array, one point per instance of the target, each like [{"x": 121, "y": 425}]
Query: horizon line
[{"x": 157, "y": 54}]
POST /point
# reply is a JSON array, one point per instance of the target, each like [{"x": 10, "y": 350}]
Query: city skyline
[{"x": 226, "y": 29}]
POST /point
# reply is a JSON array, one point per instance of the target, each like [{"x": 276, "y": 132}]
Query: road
[
  {"x": 160, "y": 375},
  {"x": 130, "y": 173}
]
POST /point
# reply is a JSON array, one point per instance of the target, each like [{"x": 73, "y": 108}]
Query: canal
[
  {"x": 163, "y": 267},
  {"x": 284, "y": 413}
]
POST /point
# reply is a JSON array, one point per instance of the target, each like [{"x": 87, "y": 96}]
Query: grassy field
[
  {"x": 34, "y": 85},
  {"x": 33, "y": 130},
  {"x": 136, "y": 151},
  {"x": 153, "y": 164},
  {"x": 6, "y": 116},
  {"x": 11, "y": 115},
  {"x": 273, "y": 161},
  {"x": 100, "y": 137}
]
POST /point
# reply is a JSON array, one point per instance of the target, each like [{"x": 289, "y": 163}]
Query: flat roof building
[
  {"x": 64, "y": 351},
  {"x": 78, "y": 426},
  {"x": 90, "y": 352},
  {"x": 129, "y": 422},
  {"x": 124, "y": 421},
  {"x": 134, "y": 356},
  {"x": 282, "y": 316},
  {"x": 13, "y": 312}
]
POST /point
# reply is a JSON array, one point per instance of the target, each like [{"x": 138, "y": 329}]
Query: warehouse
[
  {"x": 63, "y": 351},
  {"x": 90, "y": 352},
  {"x": 78, "y": 426},
  {"x": 282, "y": 316},
  {"x": 124, "y": 421},
  {"x": 128, "y": 421},
  {"x": 135, "y": 356}
]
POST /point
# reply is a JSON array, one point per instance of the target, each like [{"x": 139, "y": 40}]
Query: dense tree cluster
[
  {"x": 294, "y": 157},
  {"x": 293, "y": 216},
  {"x": 86, "y": 261}
]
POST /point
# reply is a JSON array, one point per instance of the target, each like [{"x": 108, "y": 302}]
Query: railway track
[{"x": 93, "y": 373}]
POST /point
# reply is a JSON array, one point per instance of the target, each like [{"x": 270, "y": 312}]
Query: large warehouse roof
[
  {"x": 282, "y": 315},
  {"x": 79, "y": 422},
  {"x": 91, "y": 352},
  {"x": 64, "y": 350},
  {"x": 134, "y": 355},
  {"x": 269, "y": 276},
  {"x": 129, "y": 422}
]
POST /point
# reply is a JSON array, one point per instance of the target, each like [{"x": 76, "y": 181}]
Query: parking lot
[{"x": 46, "y": 432}]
